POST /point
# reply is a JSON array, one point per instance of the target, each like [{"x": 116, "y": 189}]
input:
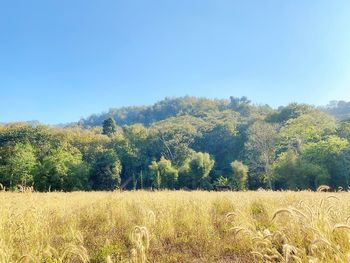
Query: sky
[{"x": 61, "y": 60}]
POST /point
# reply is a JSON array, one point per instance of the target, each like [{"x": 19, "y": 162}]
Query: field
[{"x": 174, "y": 226}]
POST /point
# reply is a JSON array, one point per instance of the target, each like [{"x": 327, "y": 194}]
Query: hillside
[
  {"x": 169, "y": 107},
  {"x": 188, "y": 142},
  {"x": 196, "y": 107},
  {"x": 338, "y": 109}
]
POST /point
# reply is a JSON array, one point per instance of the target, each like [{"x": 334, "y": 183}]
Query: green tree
[
  {"x": 185, "y": 180},
  {"x": 55, "y": 169},
  {"x": 241, "y": 105},
  {"x": 310, "y": 127},
  {"x": 222, "y": 182},
  {"x": 173, "y": 137},
  {"x": 18, "y": 165},
  {"x": 292, "y": 172},
  {"x": 133, "y": 150},
  {"x": 240, "y": 175},
  {"x": 261, "y": 148},
  {"x": 105, "y": 172},
  {"x": 343, "y": 167},
  {"x": 291, "y": 111},
  {"x": 221, "y": 139},
  {"x": 200, "y": 166},
  {"x": 78, "y": 177},
  {"x": 327, "y": 153},
  {"x": 343, "y": 130},
  {"x": 164, "y": 175},
  {"x": 109, "y": 126}
]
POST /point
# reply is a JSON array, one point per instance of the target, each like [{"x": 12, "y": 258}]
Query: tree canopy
[{"x": 188, "y": 142}]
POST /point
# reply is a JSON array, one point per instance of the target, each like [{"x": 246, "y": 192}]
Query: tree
[
  {"x": 87, "y": 141},
  {"x": 133, "y": 150},
  {"x": 185, "y": 180},
  {"x": 55, "y": 169},
  {"x": 222, "y": 182},
  {"x": 173, "y": 137},
  {"x": 292, "y": 172},
  {"x": 200, "y": 166},
  {"x": 109, "y": 126},
  {"x": 327, "y": 153},
  {"x": 291, "y": 111},
  {"x": 343, "y": 130},
  {"x": 343, "y": 167},
  {"x": 241, "y": 105},
  {"x": 164, "y": 175},
  {"x": 18, "y": 165},
  {"x": 221, "y": 139},
  {"x": 240, "y": 175},
  {"x": 78, "y": 177},
  {"x": 105, "y": 172},
  {"x": 261, "y": 147},
  {"x": 310, "y": 127}
]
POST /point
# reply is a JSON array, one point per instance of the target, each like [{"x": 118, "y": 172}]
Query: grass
[{"x": 175, "y": 226}]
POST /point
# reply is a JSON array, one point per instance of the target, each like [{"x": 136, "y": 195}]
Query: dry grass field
[{"x": 175, "y": 226}]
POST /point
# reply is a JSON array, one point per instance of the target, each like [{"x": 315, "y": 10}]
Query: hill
[
  {"x": 196, "y": 107},
  {"x": 188, "y": 142},
  {"x": 146, "y": 115},
  {"x": 338, "y": 109}
]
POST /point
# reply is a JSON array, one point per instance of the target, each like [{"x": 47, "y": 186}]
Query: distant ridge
[
  {"x": 339, "y": 109},
  {"x": 187, "y": 105},
  {"x": 168, "y": 107}
]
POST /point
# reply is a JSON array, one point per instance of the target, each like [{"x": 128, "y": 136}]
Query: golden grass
[{"x": 175, "y": 226}]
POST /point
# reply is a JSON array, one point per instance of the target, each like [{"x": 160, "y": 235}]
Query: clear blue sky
[{"x": 64, "y": 59}]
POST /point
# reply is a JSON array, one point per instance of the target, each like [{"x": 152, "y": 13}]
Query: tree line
[{"x": 191, "y": 143}]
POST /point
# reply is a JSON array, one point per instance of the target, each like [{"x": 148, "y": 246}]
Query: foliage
[
  {"x": 327, "y": 153},
  {"x": 109, "y": 126},
  {"x": 200, "y": 165},
  {"x": 292, "y": 172},
  {"x": 164, "y": 175},
  {"x": 344, "y": 130},
  {"x": 105, "y": 172},
  {"x": 17, "y": 165},
  {"x": 222, "y": 181},
  {"x": 57, "y": 170},
  {"x": 183, "y": 142},
  {"x": 291, "y": 111},
  {"x": 308, "y": 127},
  {"x": 240, "y": 175},
  {"x": 261, "y": 148}
]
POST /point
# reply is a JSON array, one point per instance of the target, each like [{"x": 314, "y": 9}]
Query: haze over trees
[{"x": 187, "y": 142}]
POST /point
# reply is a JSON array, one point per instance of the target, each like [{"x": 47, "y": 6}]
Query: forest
[{"x": 183, "y": 143}]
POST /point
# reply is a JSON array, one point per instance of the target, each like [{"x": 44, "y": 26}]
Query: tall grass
[{"x": 175, "y": 226}]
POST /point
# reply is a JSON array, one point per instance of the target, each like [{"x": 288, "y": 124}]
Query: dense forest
[{"x": 188, "y": 142}]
